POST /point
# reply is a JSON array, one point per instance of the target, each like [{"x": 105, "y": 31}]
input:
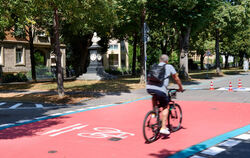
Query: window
[
  {"x": 19, "y": 55},
  {"x": 113, "y": 59},
  {"x": 1, "y": 55},
  {"x": 113, "y": 47}
]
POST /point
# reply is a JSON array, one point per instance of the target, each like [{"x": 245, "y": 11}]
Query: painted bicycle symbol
[
  {"x": 99, "y": 132},
  {"x": 104, "y": 132}
]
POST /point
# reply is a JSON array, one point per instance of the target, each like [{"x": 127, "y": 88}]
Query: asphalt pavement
[{"x": 195, "y": 91}]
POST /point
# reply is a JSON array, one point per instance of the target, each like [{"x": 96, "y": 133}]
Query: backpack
[{"x": 156, "y": 75}]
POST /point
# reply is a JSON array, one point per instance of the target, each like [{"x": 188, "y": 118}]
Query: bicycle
[{"x": 152, "y": 120}]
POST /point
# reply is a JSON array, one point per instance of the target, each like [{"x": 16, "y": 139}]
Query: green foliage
[
  {"x": 117, "y": 71},
  {"x": 39, "y": 58},
  {"x": 19, "y": 77},
  {"x": 42, "y": 72}
]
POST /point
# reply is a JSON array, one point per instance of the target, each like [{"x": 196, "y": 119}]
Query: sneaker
[{"x": 164, "y": 131}]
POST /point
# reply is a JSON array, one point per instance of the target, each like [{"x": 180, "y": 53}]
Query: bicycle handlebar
[{"x": 174, "y": 89}]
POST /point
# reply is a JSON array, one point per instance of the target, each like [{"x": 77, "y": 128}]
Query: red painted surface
[{"x": 201, "y": 121}]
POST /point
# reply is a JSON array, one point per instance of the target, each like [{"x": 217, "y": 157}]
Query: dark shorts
[{"x": 160, "y": 96}]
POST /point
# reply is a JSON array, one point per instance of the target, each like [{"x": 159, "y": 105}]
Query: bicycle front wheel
[
  {"x": 151, "y": 127},
  {"x": 174, "y": 117}
]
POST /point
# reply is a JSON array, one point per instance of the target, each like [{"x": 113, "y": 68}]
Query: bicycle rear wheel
[
  {"x": 174, "y": 117},
  {"x": 151, "y": 127}
]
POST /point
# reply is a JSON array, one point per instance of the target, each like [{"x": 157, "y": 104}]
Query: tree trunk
[
  {"x": 142, "y": 61},
  {"x": 226, "y": 61},
  {"x": 217, "y": 51},
  {"x": 134, "y": 54},
  {"x": 59, "y": 75},
  {"x": 32, "y": 57},
  {"x": 241, "y": 57},
  {"x": 84, "y": 45},
  {"x": 202, "y": 60},
  {"x": 184, "y": 45}
]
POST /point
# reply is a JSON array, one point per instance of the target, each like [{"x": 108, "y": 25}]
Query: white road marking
[
  {"x": 243, "y": 136},
  {"x": 196, "y": 156},
  {"x": 81, "y": 109},
  {"x": 75, "y": 128},
  {"x": 39, "y": 105},
  {"x": 8, "y": 124},
  {"x": 213, "y": 151},
  {"x": 57, "y": 130},
  {"x": 234, "y": 89},
  {"x": 69, "y": 111},
  {"x": 16, "y": 105},
  {"x": 55, "y": 114},
  {"x": 22, "y": 121},
  {"x": 230, "y": 143},
  {"x": 38, "y": 118},
  {"x": 2, "y": 103},
  {"x": 62, "y": 130}
]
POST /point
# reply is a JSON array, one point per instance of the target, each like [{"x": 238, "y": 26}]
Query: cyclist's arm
[{"x": 178, "y": 81}]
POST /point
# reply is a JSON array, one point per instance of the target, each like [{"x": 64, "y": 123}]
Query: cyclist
[{"x": 161, "y": 91}]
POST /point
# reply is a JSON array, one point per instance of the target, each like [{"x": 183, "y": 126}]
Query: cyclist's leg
[{"x": 164, "y": 114}]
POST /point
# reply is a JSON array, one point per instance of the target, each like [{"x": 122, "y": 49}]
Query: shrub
[{"x": 19, "y": 77}]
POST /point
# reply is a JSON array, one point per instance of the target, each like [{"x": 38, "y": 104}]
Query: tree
[
  {"x": 128, "y": 25},
  {"x": 186, "y": 17},
  {"x": 80, "y": 23},
  {"x": 5, "y": 18}
]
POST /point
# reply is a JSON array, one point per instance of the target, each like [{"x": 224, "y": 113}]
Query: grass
[
  {"x": 88, "y": 90},
  {"x": 202, "y": 74}
]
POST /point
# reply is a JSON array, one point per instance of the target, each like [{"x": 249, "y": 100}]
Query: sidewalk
[{"x": 120, "y": 97}]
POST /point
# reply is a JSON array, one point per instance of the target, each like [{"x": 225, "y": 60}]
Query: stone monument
[{"x": 95, "y": 70}]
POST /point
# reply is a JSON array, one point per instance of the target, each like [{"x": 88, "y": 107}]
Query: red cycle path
[{"x": 201, "y": 121}]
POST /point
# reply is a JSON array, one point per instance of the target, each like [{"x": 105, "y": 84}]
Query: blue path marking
[
  {"x": 208, "y": 143},
  {"x": 73, "y": 112}
]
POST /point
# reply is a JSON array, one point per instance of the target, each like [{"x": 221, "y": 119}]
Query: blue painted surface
[{"x": 208, "y": 143}]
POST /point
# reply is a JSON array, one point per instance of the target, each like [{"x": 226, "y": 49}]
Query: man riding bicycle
[{"x": 160, "y": 90}]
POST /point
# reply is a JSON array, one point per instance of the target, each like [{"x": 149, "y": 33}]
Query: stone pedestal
[{"x": 95, "y": 70}]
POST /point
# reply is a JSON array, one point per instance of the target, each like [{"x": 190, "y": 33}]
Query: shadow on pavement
[
  {"x": 30, "y": 129},
  {"x": 184, "y": 153}
]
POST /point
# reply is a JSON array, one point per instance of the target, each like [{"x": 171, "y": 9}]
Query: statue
[{"x": 95, "y": 39}]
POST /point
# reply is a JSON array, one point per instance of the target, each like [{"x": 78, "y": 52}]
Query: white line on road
[
  {"x": 22, "y": 121},
  {"x": 57, "y": 130},
  {"x": 213, "y": 151},
  {"x": 68, "y": 112},
  {"x": 16, "y": 105},
  {"x": 230, "y": 143},
  {"x": 2, "y": 103},
  {"x": 39, "y": 105},
  {"x": 243, "y": 136},
  {"x": 55, "y": 114},
  {"x": 75, "y": 128},
  {"x": 8, "y": 124},
  {"x": 196, "y": 156},
  {"x": 38, "y": 118}
]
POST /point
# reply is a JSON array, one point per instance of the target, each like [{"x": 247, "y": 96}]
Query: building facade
[
  {"x": 15, "y": 53},
  {"x": 117, "y": 55}
]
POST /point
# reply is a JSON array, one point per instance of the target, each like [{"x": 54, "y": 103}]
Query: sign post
[
  {"x": 208, "y": 53},
  {"x": 145, "y": 39}
]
